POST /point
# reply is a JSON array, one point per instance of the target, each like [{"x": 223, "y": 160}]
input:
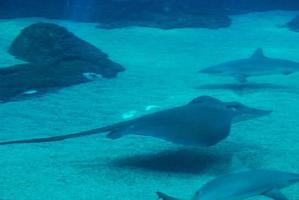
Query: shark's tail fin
[
  {"x": 67, "y": 136},
  {"x": 163, "y": 196}
]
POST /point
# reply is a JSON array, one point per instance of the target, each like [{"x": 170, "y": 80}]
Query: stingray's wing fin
[
  {"x": 163, "y": 196},
  {"x": 275, "y": 195},
  {"x": 72, "y": 135}
]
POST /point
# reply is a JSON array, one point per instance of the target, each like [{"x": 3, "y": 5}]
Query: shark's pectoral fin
[
  {"x": 242, "y": 78},
  {"x": 276, "y": 195},
  {"x": 287, "y": 72},
  {"x": 163, "y": 196}
]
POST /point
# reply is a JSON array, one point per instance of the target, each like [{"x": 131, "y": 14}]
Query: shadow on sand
[
  {"x": 215, "y": 161},
  {"x": 244, "y": 87},
  {"x": 190, "y": 161}
]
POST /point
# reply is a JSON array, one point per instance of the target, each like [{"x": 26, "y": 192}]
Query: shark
[
  {"x": 258, "y": 64},
  {"x": 204, "y": 121},
  {"x": 243, "y": 185}
]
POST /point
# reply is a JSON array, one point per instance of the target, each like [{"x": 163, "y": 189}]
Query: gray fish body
[
  {"x": 243, "y": 185},
  {"x": 204, "y": 121},
  {"x": 256, "y": 65},
  {"x": 246, "y": 184},
  {"x": 192, "y": 124}
]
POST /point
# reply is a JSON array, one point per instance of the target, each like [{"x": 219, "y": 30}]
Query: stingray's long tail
[{"x": 66, "y": 136}]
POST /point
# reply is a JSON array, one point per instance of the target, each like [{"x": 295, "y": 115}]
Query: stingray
[
  {"x": 244, "y": 185},
  {"x": 204, "y": 121}
]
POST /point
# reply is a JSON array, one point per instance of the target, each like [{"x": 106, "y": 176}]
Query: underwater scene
[{"x": 149, "y": 99}]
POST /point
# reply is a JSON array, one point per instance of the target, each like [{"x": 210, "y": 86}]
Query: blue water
[
  {"x": 161, "y": 71},
  {"x": 80, "y": 10}
]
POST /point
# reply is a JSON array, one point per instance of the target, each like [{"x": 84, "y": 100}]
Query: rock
[
  {"x": 166, "y": 14},
  {"x": 49, "y": 44},
  {"x": 293, "y": 24},
  {"x": 20, "y": 80},
  {"x": 56, "y": 59},
  {"x": 109, "y": 12},
  {"x": 172, "y": 21}
]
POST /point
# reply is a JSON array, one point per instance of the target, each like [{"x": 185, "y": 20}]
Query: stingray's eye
[{"x": 233, "y": 107}]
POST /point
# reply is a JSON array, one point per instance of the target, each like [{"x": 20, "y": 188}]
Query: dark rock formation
[
  {"x": 49, "y": 44},
  {"x": 56, "y": 59},
  {"x": 171, "y": 22},
  {"x": 152, "y": 13},
  {"x": 26, "y": 80},
  {"x": 293, "y": 24},
  {"x": 160, "y": 14}
]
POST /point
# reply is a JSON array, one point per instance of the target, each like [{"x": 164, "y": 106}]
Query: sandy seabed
[{"x": 161, "y": 70}]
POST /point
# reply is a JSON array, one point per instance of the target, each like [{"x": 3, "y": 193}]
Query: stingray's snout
[
  {"x": 252, "y": 113},
  {"x": 261, "y": 113},
  {"x": 243, "y": 112}
]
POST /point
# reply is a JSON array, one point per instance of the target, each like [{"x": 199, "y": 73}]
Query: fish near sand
[
  {"x": 244, "y": 185},
  {"x": 256, "y": 65},
  {"x": 204, "y": 121}
]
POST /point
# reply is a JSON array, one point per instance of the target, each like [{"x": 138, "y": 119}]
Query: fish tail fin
[
  {"x": 64, "y": 137},
  {"x": 164, "y": 196}
]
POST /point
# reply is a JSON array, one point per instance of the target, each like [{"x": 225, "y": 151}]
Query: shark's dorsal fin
[{"x": 258, "y": 54}]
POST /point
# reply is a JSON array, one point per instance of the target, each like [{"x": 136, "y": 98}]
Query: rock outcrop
[
  {"x": 49, "y": 44},
  {"x": 55, "y": 58}
]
